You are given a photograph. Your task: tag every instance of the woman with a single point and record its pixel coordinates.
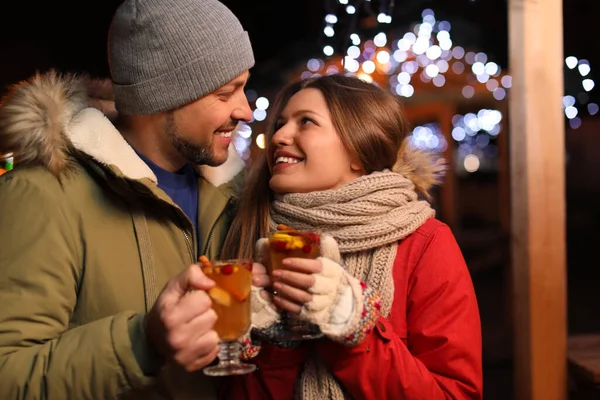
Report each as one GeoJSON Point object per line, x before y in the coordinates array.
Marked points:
{"type": "Point", "coordinates": [396, 302]}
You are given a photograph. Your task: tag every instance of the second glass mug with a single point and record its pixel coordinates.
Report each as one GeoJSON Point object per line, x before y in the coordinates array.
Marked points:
{"type": "Point", "coordinates": [285, 243]}
{"type": "Point", "coordinates": [231, 301]}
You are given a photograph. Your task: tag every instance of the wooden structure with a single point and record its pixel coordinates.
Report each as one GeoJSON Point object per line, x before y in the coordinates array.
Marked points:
{"type": "Point", "coordinates": [537, 173]}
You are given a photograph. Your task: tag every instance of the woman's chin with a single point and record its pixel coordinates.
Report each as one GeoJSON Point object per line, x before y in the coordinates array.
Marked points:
{"type": "Point", "coordinates": [281, 185]}
{"type": "Point", "coordinates": [280, 188]}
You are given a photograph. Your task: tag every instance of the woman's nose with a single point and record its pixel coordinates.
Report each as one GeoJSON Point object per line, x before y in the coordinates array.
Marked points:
{"type": "Point", "coordinates": [282, 136]}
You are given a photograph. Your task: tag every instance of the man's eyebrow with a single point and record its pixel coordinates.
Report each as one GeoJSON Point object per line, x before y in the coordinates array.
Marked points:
{"type": "Point", "coordinates": [245, 82]}
{"type": "Point", "coordinates": [237, 84]}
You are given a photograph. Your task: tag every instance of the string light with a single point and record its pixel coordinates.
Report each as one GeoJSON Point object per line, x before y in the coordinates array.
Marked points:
{"type": "Point", "coordinates": [425, 53]}
{"type": "Point", "coordinates": [409, 61]}
{"type": "Point", "coordinates": [576, 102]}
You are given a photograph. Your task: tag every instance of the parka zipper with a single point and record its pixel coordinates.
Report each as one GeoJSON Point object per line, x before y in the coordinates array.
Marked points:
{"type": "Point", "coordinates": [190, 247]}
{"type": "Point", "coordinates": [212, 229]}
{"type": "Point", "coordinates": [188, 237]}
{"type": "Point", "coordinates": [210, 233]}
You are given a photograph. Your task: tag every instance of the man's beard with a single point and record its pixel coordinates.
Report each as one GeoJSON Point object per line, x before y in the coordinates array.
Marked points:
{"type": "Point", "coordinates": [192, 152]}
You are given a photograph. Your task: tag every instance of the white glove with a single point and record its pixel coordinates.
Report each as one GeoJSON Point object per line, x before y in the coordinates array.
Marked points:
{"type": "Point", "coordinates": [337, 297]}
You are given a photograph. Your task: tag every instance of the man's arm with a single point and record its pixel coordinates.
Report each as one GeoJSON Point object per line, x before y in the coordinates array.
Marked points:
{"type": "Point", "coordinates": [40, 265]}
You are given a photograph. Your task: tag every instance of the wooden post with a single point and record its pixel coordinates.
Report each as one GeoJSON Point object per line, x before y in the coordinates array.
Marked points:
{"type": "Point", "coordinates": [538, 198]}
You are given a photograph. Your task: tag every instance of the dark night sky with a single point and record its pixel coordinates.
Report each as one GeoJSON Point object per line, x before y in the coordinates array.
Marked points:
{"type": "Point", "coordinates": [45, 35]}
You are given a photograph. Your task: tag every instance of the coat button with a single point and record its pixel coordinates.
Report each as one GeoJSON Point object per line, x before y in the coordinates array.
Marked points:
{"type": "Point", "coordinates": [381, 326]}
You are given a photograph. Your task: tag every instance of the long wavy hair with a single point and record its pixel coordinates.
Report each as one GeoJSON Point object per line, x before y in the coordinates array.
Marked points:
{"type": "Point", "coordinates": [371, 126]}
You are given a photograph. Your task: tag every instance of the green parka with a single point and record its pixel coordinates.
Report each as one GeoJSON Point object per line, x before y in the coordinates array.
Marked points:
{"type": "Point", "coordinates": [88, 241]}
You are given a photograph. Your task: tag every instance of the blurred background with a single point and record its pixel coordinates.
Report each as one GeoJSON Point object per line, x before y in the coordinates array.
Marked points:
{"type": "Point", "coordinates": [448, 60]}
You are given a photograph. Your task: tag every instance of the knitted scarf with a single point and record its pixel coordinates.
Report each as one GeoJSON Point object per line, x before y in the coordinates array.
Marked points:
{"type": "Point", "coordinates": [367, 217]}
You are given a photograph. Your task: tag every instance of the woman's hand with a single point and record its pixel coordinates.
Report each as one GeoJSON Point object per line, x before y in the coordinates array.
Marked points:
{"type": "Point", "coordinates": [259, 276]}
{"type": "Point", "coordinates": [263, 312]}
{"type": "Point", "coordinates": [293, 282]}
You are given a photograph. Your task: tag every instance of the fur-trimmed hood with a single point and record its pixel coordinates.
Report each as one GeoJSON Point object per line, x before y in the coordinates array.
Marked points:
{"type": "Point", "coordinates": [44, 118]}
{"type": "Point", "coordinates": [424, 168]}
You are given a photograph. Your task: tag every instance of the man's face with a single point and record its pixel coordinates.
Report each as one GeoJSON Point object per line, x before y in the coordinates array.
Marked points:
{"type": "Point", "coordinates": [201, 131]}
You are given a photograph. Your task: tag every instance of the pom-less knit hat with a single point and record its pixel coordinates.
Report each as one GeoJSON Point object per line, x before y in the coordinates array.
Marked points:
{"type": "Point", "coordinates": [163, 54]}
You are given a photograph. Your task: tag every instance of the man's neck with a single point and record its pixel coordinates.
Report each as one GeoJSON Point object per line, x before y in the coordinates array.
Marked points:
{"type": "Point", "coordinates": [144, 134]}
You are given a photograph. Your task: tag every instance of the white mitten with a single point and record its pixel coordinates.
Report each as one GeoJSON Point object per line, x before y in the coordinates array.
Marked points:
{"type": "Point", "coordinates": [342, 306]}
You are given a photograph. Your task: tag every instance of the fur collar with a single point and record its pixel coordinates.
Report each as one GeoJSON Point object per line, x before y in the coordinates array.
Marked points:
{"type": "Point", "coordinates": [46, 116]}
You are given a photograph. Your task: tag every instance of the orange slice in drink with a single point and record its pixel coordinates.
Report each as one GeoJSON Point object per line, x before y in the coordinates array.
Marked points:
{"type": "Point", "coordinates": [220, 296]}
{"type": "Point", "coordinates": [239, 284]}
{"type": "Point", "coordinates": [241, 293]}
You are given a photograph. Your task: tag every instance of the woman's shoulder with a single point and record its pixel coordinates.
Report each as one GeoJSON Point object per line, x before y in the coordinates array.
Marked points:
{"type": "Point", "coordinates": [434, 238]}
{"type": "Point", "coordinates": [431, 229]}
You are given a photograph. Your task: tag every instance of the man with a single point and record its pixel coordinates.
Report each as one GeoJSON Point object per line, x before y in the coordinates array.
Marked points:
{"type": "Point", "coordinates": [98, 218]}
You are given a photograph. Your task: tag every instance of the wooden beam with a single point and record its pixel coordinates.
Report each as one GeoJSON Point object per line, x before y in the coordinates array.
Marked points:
{"type": "Point", "coordinates": [538, 198]}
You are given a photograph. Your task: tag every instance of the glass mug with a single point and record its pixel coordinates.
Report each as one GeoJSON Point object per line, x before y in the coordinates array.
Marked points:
{"type": "Point", "coordinates": [231, 302]}
{"type": "Point", "coordinates": [285, 243]}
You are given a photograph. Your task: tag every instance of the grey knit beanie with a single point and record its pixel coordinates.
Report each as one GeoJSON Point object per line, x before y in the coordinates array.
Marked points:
{"type": "Point", "coordinates": [163, 54]}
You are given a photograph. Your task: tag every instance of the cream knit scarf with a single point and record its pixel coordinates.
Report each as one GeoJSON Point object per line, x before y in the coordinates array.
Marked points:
{"type": "Point", "coordinates": [367, 217]}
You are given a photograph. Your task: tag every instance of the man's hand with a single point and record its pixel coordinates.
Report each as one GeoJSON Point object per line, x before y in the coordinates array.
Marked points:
{"type": "Point", "coordinates": [180, 325]}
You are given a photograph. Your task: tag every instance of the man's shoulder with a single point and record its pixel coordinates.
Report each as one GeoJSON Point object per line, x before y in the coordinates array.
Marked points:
{"type": "Point", "coordinates": [40, 182]}
{"type": "Point", "coordinates": [29, 178]}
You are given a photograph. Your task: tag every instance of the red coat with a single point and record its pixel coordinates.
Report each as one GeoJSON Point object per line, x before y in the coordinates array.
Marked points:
{"type": "Point", "coordinates": [428, 348]}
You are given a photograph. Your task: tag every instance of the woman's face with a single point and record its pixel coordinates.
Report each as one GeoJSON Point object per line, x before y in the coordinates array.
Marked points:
{"type": "Point", "coordinates": [306, 153]}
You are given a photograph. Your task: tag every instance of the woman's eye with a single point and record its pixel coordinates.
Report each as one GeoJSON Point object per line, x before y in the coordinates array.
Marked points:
{"type": "Point", "coordinates": [306, 120]}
